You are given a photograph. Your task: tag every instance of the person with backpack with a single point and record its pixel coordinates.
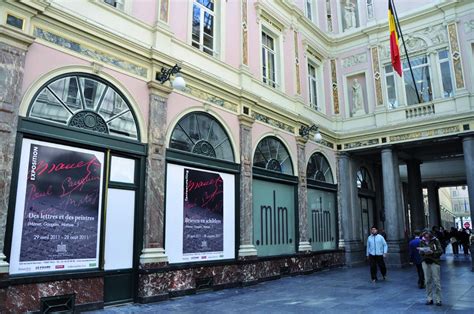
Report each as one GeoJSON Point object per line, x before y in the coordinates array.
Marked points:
{"type": "Point", "coordinates": [430, 250]}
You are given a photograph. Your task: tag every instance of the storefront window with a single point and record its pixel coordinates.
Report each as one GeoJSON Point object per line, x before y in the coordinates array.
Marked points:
{"type": "Point", "coordinates": [272, 155]}
{"type": "Point", "coordinates": [319, 169]}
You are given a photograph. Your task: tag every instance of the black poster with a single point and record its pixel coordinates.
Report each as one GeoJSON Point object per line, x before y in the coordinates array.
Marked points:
{"type": "Point", "coordinates": [61, 205]}
{"type": "Point", "coordinates": [203, 228]}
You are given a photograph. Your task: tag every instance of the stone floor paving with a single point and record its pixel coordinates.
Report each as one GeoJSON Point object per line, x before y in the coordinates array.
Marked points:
{"type": "Point", "coordinates": [342, 290]}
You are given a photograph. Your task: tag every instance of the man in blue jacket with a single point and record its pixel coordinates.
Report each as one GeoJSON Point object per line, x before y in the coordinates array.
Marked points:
{"type": "Point", "coordinates": [415, 258]}
{"type": "Point", "coordinates": [376, 251]}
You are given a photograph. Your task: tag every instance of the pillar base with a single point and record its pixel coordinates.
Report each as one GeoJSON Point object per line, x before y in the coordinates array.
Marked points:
{"type": "Point", "coordinates": [153, 255]}
{"type": "Point", "coordinates": [397, 255]}
{"type": "Point", "coordinates": [4, 266]}
{"type": "Point", "coordinates": [355, 252]}
{"type": "Point", "coordinates": [247, 250]}
{"type": "Point", "coordinates": [304, 246]}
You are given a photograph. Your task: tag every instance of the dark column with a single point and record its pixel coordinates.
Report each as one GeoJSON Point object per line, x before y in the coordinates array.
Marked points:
{"type": "Point", "coordinates": [304, 244]}
{"type": "Point", "coordinates": [13, 48]}
{"type": "Point", "coordinates": [394, 224]}
{"type": "Point", "coordinates": [246, 247]}
{"type": "Point", "coordinates": [468, 149]}
{"type": "Point", "coordinates": [153, 244]}
{"type": "Point", "coordinates": [415, 195]}
{"type": "Point", "coordinates": [433, 205]}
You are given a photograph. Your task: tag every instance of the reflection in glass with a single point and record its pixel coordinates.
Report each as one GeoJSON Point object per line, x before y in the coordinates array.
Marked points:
{"type": "Point", "coordinates": [363, 179]}
{"type": "Point", "coordinates": [272, 155]}
{"type": "Point", "coordinates": [322, 219]}
{"type": "Point", "coordinates": [318, 169]}
{"type": "Point", "coordinates": [421, 72]}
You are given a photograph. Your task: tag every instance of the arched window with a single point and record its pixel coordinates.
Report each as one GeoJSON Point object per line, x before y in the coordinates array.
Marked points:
{"type": "Point", "coordinates": [86, 102]}
{"type": "Point", "coordinates": [200, 133]}
{"type": "Point", "coordinates": [271, 154]}
{"type": "Point", "coordinates": [363, 179]}
{"type": "Point", "coordinates": [318, 169]}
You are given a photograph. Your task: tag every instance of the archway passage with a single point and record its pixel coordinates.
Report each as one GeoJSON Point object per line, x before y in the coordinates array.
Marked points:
{"type": "Point", "coordinates": [87, 102]}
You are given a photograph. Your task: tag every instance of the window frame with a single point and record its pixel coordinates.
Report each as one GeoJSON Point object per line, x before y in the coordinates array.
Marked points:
{"type": "Point", "coordinates": [448, 60]}
{"type": "Point", "coordinates": [407, 70]}
{"type": "Point", "coordinates": [395, 83]}
{"type": "Point", "coordinates": [202, 11]}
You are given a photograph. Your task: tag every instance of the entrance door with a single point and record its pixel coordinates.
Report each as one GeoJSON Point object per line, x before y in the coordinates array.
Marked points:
{"type": "Point", "coordinates": [120, 228]}
{"type": "Point", "coordinates": [367, 211]}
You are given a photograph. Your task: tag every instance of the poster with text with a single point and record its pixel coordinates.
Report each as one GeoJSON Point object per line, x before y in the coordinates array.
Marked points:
{"type": "Point", "coordinates": [57, 215]}
{"type": "Point", "coordinates": [200, 215]}
{"type": "Point", "coordinates": [203, 212]}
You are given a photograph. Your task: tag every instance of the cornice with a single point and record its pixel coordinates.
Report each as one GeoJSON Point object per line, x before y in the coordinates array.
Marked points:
{"type": "Point", "coordinates": [15, 37]}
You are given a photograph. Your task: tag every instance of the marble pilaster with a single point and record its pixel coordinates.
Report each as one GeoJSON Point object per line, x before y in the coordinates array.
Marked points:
{"type": "Point", "coordinates": [415, 195]}
{"type": "Point", "coordinates": [468, 150]}
{"type": "Point", "coordinates": [394, 222]}
{"type": "Point", "coordinates": [153, 243]}
{"type": "Point", "coordinates": [246, 247]}
{"type": "Point", "coordinates": [304, 244]}
{"type": "Point", "coordinates": [13, 49]}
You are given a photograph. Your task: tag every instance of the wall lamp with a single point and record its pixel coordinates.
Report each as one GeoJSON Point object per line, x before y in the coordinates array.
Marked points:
{"type": "Point", "coordinates": [165, 74]}
{"type": "Point", "coordinates": [305, 130]}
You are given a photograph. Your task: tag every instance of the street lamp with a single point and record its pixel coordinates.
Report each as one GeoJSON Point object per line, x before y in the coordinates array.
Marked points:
{"type": "Point", "coordinates": [305, 130]}
{"type": "Point", "coordinates": [165, 74]}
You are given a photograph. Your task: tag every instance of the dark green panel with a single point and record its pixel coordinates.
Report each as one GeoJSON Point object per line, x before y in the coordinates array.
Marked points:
{"type": "Point", "coordinates": [118, 288]}
{"type": "Point", "coordinates": [322, 219]}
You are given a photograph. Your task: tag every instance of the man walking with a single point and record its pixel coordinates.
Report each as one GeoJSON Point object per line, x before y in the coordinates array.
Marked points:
{"type": "Point", "coordinates": [430, 251]}
{"type": "Point", "coordinates": [376, 251]}
{"type": "Point", "coordinates": [415, 258]}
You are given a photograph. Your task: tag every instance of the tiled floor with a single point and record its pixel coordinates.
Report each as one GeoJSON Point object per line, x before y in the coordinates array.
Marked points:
{"type": "Point", "coordinates": [343, 290]}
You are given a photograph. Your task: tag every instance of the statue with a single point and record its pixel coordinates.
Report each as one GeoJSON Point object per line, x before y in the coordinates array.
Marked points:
{"type": "Point", "coordinates": [357, 97]}
{"type": "Point", "coordinates": [349, 14]}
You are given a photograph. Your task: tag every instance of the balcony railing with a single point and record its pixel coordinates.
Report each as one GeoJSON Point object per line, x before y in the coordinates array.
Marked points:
{"type": "Point", "coordinates": [419, 111]}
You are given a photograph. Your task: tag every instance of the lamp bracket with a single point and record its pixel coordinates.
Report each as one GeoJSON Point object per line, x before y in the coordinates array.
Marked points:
{"type": "Point", "coordinates": [165, 73]}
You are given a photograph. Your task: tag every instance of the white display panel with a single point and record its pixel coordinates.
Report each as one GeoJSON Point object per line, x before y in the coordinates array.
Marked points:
{"type": "Point", "coordinates": [200, 215]}
{"type": "Point", "coordinates": [122, 170]}
{"type": "Point", "coordinates": [58, 208]}
{"type": "Point", "coordinates": [119, 224]}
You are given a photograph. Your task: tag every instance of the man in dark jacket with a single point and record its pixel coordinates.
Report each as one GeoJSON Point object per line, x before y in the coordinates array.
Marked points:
{"type": "Point", "coordinates": [431, 251]}
{"type": "Point", "coordinates": [415, 258]}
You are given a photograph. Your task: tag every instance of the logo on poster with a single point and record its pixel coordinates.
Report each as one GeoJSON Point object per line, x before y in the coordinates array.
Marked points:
{"type": "Point", "coordinates": [34, 162]}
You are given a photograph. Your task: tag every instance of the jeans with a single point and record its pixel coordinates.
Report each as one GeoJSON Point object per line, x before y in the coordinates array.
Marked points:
{"type": "Point", "coordinates": [421, 275]}
{"type": "Point", "coordinates": [432, 280]}
{"type": "Point", "coordinates": [375, 260]}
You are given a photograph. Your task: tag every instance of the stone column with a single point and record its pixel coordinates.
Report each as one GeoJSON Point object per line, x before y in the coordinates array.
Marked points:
{"type": "Point", "coordinates": [433, 205]}
{"type": "Point", "coordinates": [246, 247]}
{"type": "Point", "coordinates": [304, 244]}
{"type": "Point", "coordinates": [468, 149]}
{"type": "Point", "coordinates": [394, 224]}
{"type": "Point", "coordinates": [13, 48]}
{"type": "Point", "coordinates": [153, 244]}
{"type": "Point", "coordinates": [415, 195]}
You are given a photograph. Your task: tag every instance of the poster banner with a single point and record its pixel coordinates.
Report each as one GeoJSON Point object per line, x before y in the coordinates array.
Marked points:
{"type": "Point", "coordinates": [200, 215]}
{"type": "Point", "coordinates": [57, 215]}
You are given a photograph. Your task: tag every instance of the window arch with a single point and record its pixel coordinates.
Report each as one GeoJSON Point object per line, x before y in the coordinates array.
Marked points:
{"type": "Point", "coordinates": [87, 102]}
{"type": "Point", "coordinates": [364, 181]}
{"type": "Point", "coordinates": [318, 169]}
{"type": "Point", "coordinates": [271, 154]}
{"type": "Point", "coordinates": [200, 133]}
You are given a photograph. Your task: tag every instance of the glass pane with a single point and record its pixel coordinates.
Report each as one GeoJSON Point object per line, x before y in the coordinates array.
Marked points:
{"type": "Point", "coordinates": [388, 69]}
{"type": "Point", "coordinates": [92, 92]}
{"type": "Point", "coordinates": [423, 83]}
{"type": "Point", "coordinates": [208, 24]}
{"type": "Point", "coordinates": [207, 3]}
{"type": "Point", "coordinates": [123, 126]}
{"type": "Point", "coordinates": [391, 92]}
{"type": "Point", "coordinates": [68, 91]}
{"type": "Point", "coordinates": [443, 54]}
{"type": "Point", "coordinates": [122, 170]}
{"type": "Point", "coordinates": [446, 79]}
{"type": "Point", "coordinates": [196, 25]}
{"type": "Point", "coordinates": [271, 154]}
{"type": "Point", "coordinates": [208, 42]}
{"type": "Point", "coordinates": [322, 219]}
{"type": "Point", "coordinates": [112, 104]}
{"type": "Point", "coordinates": [46, 106]}
{"type": "Point", "coordinates": [271, 68]}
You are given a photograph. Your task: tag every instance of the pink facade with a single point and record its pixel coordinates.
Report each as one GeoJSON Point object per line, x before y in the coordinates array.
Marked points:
{"type": "Point", "coordinates": [145, 10]}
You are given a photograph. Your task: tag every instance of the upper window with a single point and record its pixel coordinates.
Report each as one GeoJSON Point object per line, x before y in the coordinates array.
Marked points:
{"type": "Point", "coordinates": [390, 83]}
{"type": "Point", "coordinates": [119, 4]}
{"type": "Point", "coordinates": [445, 73]}
{"type": "Point", "coordinates": [269, 61]}
{"type": "Point", "coordinates": [328, 16]}
{"type": "Point", "coordinates": [421, 71]}
{"type": "Point", "coordinates": [312, 86]}
{"type": "Point", "coordinates": [86, 102]}
{"type": "Point", "coordinates": [203, 32]}
{"type": "Point", "coordinates": [200, 133]}
{"type": "Point", "coordinates": [370, 9]}
{"type": "Point", "coordinates": [309, 10]}
{"type": "Point", "coordinates": [318, 169]}
{"type": "Point", "coordinates": [363, 179]}
{"type": "Point", "coordinates": [272, 155]}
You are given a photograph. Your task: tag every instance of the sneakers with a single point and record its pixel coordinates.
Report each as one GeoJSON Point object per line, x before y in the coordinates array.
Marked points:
{"type": "Point", "coordinates": [430, 302]}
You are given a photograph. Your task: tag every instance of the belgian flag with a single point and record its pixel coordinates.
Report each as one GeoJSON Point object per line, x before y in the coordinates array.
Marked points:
{"type": "Point", "coordinates": [394, 48]}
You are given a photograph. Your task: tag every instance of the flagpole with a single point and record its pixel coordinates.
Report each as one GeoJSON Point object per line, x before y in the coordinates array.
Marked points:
{"type": "Point", "coordinates": [397, 23]}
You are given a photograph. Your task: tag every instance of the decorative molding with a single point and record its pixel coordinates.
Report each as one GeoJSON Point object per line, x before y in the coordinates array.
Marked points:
{"type": "Point", "coordinates": [354, 60]}
{"type": "Point", "coordinates": [275, 123]}
{"type": "Point", "coordinates": [90, 53]}
{"type": "Point", "coordinates": [326, 143]}
{"type": "Point", "coordinates": [469, 26]}
{"type": "Point", "coordinates": [335, 96]}
{"type": "Point", "coordinates": [377, 76]}
{"type": "Point", "coordinates": [164, 8]}
{"type": "Point", "coordinates": [153, 255]}
{"type": "Point", "coordinates": [358, 144]}
{"type": "Point", "coordinates": [297, 63]}
{"type": "Point", "coordinates": [419, 111]}
{"type": "Point", "coordinates": [456, 55]}
{"type": "Point", "coordinates": [425, 134]}
{"type": "Point", "coordinates": [198, 93]}
{"type": "Point", "coordinates": [245, 49]}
